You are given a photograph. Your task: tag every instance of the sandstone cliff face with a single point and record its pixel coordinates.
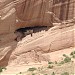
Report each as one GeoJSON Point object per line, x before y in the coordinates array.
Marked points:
{"type": "Point", "coordinates": [7, 16]}
{"type": "Point", "coordinates": [16, 14]}
{"type": "Point", "coordinates": [30, 49]}
{"type": "Point", "coordinates": [33, 49]}
{"type": "Point", "coordinates": [33, 13]}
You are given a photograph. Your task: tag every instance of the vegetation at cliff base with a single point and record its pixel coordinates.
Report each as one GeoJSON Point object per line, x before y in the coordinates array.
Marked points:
{"type": "Point", "coordinates": [2, 68]}
{"type": "Point", "coordinates": [32, 69]}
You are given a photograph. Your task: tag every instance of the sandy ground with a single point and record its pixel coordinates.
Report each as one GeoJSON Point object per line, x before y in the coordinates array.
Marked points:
{"type": "Point", "coordinates": [54, 56]}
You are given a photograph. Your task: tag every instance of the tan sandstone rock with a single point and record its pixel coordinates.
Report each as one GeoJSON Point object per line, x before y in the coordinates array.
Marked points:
{"type": "Point", "coordinates": [30, 49]}
{"type": "Point", "coordinates": [7, 16]}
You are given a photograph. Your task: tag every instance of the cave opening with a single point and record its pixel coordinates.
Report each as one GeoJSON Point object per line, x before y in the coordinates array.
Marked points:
{"type": "Point", "coordinates": [23, 32]}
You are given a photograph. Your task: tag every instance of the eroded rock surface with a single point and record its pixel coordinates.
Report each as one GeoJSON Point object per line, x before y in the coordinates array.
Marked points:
{"type": "Point", "coordinates": [33, 48]}
{"type": "Point", "coordinates": [30, 48]}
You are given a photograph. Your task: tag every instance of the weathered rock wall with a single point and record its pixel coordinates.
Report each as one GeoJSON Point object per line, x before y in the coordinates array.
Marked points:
{"type": "Point", "coordinates": [7, 16]}
{"type": "Point", "coordinates": [33, 13]}
{"type": "Point", "coordinates": [31, 49]}
{"type": "Point", "coordinates": [52, 40]}
{"type": "Point", "coordinates": [16, 14]}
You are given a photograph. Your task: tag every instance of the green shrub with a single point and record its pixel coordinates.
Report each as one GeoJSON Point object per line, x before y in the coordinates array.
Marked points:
{"type": "Point", "coordinates": [50, 62]}
{"type": "Point", "coordinates": [56, 62]}
{"type": "Point", "coordinates": [67, 59]}
{"type": "Point", "coordinates": [65, 55]}
{"type": "Point", "coordinates": [32, 69]}
{"type": "Point", "coordinates": [62, 62]}
{"type": "Point", "coordinates": [33, 74]}
{"type": "Point", "coordinates": [72, 53]}
{"type": "Point", "coordinates": [1, 69]}
{"type": "Point", "coordinates": [50, 66]}
{"type": "Point", "coordinates": [53, 73]}
{"type": "Point", "coordinates": [20, 73]}
{"type": "Point", "coordinates": [73, 56]}
{"type": "Point", "coordinates": [45, 74]}
{"type": "Point", "coordinates": [65, 73]}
